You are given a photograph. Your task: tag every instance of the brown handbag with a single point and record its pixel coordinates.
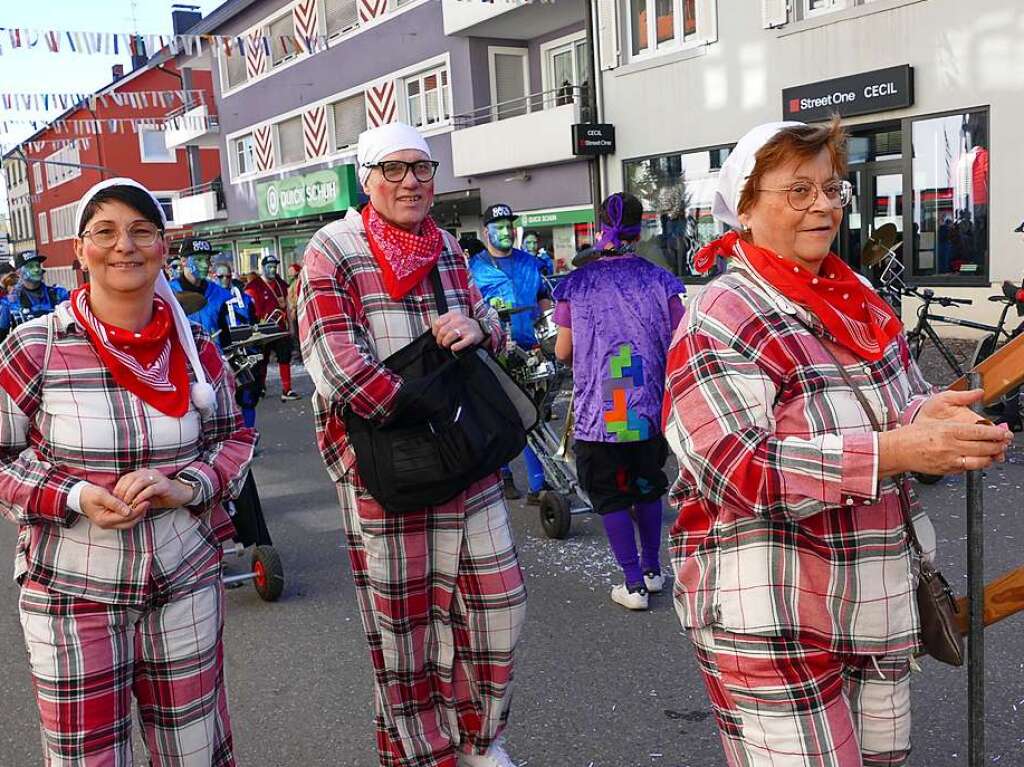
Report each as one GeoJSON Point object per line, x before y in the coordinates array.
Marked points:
{"type": "Point", "coordinates": [936, 603]}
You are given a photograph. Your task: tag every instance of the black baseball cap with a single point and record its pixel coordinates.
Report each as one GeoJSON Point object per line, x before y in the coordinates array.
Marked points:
{"type": "Point", "coordinates": [191, 246]}
{"type": "Point", "coordinates": [498, 212]}
{"type": "Point", "coordinates": [270, 258]}
{"type": "Point", "coordinates": [20, 259]}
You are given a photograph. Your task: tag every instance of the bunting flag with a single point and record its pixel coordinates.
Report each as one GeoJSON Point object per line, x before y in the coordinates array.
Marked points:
{"type": "Point", "coordinates": [44, 101]}
{"type": "Point", "coordinates": [47, 145]}
{"type": "Point", "coordinates": [112, 125]}
{"type": "Point", "coordinates": [13, 39]}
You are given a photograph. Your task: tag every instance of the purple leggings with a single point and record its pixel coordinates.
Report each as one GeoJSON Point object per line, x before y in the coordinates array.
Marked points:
{"type": "Point", "coordinates": [618, 525]}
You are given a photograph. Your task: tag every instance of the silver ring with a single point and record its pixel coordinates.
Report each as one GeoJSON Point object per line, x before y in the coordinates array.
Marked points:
{"type": "Point", "coordinates": [458, 333]}
{"type": "Point", "coordinates": [152, 478]}
{"type": "Point", "coordinates": [963, 462]}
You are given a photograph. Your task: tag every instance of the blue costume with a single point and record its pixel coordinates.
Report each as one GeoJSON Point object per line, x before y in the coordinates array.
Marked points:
{"type": "Point", "coordinates": [215, 296]}
{"type": "Point", "coordinates": [239, 311]}
{"type": "Point", "coordinates": [23, 304]}
{"type": "Point", "coordinates": [514, 281]}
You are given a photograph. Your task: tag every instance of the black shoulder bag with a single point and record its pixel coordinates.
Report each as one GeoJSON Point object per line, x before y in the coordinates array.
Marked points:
{"type": "Point", "coordinates": [940, 635]}
{"type": "Point", "coordinates": [458, 418]}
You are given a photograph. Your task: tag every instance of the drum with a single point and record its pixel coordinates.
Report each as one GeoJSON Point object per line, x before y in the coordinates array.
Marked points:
{"type": "Point", "coordinates": [547, 332]}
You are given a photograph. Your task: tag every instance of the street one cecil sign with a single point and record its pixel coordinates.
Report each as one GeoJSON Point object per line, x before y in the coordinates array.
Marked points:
{"type": "Point", "coordinates": [593, 139]}
{"type": "Point", "coordinates": [322, 191]}
{"type": "Point", "coordinates": [859, 94]}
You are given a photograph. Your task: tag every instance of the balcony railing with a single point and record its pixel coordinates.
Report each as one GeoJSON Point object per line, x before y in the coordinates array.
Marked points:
{"type": "Point", "coordinates": [192, 125]}
{"type": "Point", "coordinates": [196, 204]}
{"type": "Point", "coordinates": [534, 102]}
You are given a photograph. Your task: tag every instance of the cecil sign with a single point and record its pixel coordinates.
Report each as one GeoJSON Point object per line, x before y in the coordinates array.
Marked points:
{"type": "Point", "coordinates": [593, 139]}
{"type": "Point", "coordinates": [860, 94]}
{"type": "Point", "coordinates": [323, 191]}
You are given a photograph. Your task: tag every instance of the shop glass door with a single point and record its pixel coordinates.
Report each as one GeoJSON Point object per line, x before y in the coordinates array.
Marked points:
{"type": "Point", "coordinates": [877, 200]}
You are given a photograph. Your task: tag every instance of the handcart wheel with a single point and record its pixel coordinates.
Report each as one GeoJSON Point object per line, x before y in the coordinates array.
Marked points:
{"type": "Point", "coordinates": [268, 571]}
{"type": "Point", "coordinates": [927, 479]}
{"type": "Point", "coordinates": [555, 516]}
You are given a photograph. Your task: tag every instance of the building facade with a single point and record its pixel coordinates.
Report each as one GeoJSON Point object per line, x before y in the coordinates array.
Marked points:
{"type": "Point", "coordinates": [928, 105]}
{"type": "Point", "coordinates": [19, 204]}
{"type": "Point", "coordinates": [494, 93]}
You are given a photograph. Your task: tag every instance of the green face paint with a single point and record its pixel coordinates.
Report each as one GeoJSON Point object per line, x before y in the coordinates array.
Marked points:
{"type": "Point", "coordinates": [530, 244]}
{"type": "Point", "coordinates": [32, 271]}
{"type": "Point", "coordinates": [199, 265]}
{"type": "Point", "coordinates": [501, 234]}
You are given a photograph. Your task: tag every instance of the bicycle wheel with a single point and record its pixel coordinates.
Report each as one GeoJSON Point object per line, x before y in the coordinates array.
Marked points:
{"type": "Point", "coordinates": [915, 340]}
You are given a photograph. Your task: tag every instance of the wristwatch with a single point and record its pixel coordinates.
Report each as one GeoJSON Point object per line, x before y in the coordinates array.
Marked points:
{"type": "Point", "coordinates": [197, 488]}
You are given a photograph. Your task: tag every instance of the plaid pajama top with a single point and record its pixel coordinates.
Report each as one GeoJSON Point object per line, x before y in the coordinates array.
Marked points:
{"type": "Point", "coordinates": [783, 527]}
{"type": "Point", "coordinates": [63, 419]}
{"type": "Point", "coordinates": [348, 323]}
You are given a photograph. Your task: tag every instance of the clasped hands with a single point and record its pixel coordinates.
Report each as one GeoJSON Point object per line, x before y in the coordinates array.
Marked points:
{"type": "Point", "coordinates": [455, 331]}
{"type": "Point", "coordinates": [134, 494]}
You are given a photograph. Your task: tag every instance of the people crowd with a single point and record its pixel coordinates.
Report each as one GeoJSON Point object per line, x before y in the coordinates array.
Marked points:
{"type": "Point", "coordinates": [785, 390]}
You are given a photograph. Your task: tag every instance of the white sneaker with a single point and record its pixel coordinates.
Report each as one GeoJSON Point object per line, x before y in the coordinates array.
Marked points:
{"type": "Point", "coordinates": [654, 583]}
{"type": "Point", "coordinates": [496, 756]}
{"type": "Point", "coordinates": [631, 600]}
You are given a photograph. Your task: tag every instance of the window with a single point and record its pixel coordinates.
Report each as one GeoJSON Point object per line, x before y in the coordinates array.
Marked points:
{"type": "Point", "coordinates": [42, 229]}
{"type": "Point", "coordinates": [428, 98]}
{"type": "Point", "coordinates": [153, 146]}
{"type": "Point", "coordinates": [245, 159]}
{"type": "Point", "coordinates": [566, 71]}
{"type": "Point", "coordinates": [63, 221]}
{"type": "Point", "coordinates": [340, 16]}
{"type": "Point", "coordinates": [289, 141]}
{"type": "Point", "coordinates": [37, 177]}
{"type": "Point", "coordinates": [234, 68]}
{"type": "Point", "coordinates": [349, 120]}
{"type": "Point", "coordinates": [809, 9]}
{"type": "Point", "coordinates": [510, 80]}
{"type": "Point", "coordinates": [58, 174]}
{"type": "Point", "coordinates": [167, 205]}
{"type": "Point", "coordinates": [665, 22]}
{"type": "Point", "coordinates": [951, 195]}
{"type": "Point", "coordinates": [283, 45]}
{"type": "Point", "coordinates": [676, 191]}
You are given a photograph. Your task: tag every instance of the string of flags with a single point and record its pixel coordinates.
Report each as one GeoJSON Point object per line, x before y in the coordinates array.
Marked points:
{"type": "Point", "coordinates": [118, 43]}
{"type": "Point", "coordinates": [48, 144]}
{"type": "Point", "coordinates": [110, 125]}
{"type": "Point", "coordinates": [36, 102]}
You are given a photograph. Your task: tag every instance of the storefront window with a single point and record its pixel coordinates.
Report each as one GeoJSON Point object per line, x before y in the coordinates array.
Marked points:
{"type": "Point", "coordinates": [293, 249]}
{"type": "Point", "coordinates": [676, 191]}
{"type": "Point", "coordinates": [951, 191]}
{"type": "Point", "coordinates": [250, 253]}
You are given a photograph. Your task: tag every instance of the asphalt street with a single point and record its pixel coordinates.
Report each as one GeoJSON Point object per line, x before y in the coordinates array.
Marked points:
{"type": "Point", "coordinates": [596, 686]}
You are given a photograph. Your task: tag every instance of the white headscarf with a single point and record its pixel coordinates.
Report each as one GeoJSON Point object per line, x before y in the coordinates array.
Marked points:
{"type": "Point", "coordinates": [737, 169]}
{"type": "Point", "coordinates": [202, 394]}
{"type": "Point", "coordinates": [377, 143]}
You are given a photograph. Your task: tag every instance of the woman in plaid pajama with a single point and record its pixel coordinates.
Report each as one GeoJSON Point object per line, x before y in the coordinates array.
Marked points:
{"type": "Point", "coordinates": [440, 590]}
{"type": "Point", "coordinates": [119, 439]}
{"type": "Point", "coordinates": [794, 574]}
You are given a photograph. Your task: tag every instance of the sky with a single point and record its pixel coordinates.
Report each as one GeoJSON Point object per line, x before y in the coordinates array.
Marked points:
{"type": "Point", "coordinates": [23, 71]}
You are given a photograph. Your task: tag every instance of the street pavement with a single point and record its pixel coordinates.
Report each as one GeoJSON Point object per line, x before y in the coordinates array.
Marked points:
{"type": "Point", "coordinates": [596, 686]}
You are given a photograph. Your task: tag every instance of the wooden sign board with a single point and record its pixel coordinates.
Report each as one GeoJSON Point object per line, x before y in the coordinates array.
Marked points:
{"type": "Point", "coordinates": [1000, 373]}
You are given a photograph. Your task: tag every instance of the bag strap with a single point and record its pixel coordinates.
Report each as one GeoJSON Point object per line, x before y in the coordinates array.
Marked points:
{"type": "Point", "coordinates": [863, 400]}
{"type": "Point", "coordinates": [439, 297]}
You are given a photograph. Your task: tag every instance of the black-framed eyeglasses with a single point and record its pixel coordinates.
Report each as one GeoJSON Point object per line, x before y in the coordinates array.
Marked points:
{"type": "Point", "coordinates": [801, 195]}
{"type": "Point", "coordinates": [142, 233]}
{"type": "Point", "coordinates": [395, 171]}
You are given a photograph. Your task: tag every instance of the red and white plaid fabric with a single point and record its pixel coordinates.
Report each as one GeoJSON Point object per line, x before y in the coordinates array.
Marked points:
{"type": "Point", "coordinates": [348, 323]}
{"type": "Point", "coordinates": [783, 527]}
{"type": "Point", "coordinates": [67, 421]}
{"type": "Point", "coordinates": [90, 659]}
{"type": "Point", "coordinates": [440, 591]}
{"type": "Point", "coordinates": [778, 703]}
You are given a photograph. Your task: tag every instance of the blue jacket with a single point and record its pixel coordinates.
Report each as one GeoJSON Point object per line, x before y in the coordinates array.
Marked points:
{"type": "Point", "coordinates": [21, 302]}
{"type": "Point", "coordinates": [208, 316]}
{"type": "Point", "coordinates": [521, 289]}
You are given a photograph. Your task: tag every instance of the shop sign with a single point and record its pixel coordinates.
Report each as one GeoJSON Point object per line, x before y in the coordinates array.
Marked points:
{"type": "Point", "coordinates": [860, 94]}
{"type": "Point", "coordinates": [322, 191]}
{"type": "Point", "coordinates": [556, 218]}
{"type": "Point", "coordinates": [593, 139]}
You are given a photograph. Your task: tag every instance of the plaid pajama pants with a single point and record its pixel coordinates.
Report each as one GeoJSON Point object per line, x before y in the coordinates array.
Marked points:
{"type": "Point", "coordinates": [779, 703]}
{"type": "Point", "coordinates": [442, 601]}
{"type": "Point", "coordinates": [89, 658]}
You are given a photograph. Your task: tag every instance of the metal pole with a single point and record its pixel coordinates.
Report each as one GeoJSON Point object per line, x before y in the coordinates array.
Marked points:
{"type": "Point", "coordinates": [976, 611]}
{"type": "Point", "coordinates": [590, 104]}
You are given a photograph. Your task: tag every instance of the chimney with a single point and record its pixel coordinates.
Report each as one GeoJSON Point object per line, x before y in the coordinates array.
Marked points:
{"type": "Point", "coordinates": [184, 17]}
{"type": "Point", "coordinates": [117, 71]}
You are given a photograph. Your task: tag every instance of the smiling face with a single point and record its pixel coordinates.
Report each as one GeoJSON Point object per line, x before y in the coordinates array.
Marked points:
{"type": "Point", "coordinates": [125, 267]}
{"type": "Point", "coordinates": [403, 203]}
{"type": "Point", "coordinates": [801, 236]}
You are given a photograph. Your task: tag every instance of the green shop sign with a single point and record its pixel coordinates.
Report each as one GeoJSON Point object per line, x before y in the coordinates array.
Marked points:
{"type": "Point", "coordinates": [557, 217]}
{"type": "Point", "coordinates": [323, 191]}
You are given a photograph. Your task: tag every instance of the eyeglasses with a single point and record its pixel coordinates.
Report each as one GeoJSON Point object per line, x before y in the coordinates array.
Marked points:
{"type": "Point", "coordinates": [803, 194]}
{"type": "Point", "coordinates": [141, 233]}
{"type": "Point", "coordinates": [395, 171]}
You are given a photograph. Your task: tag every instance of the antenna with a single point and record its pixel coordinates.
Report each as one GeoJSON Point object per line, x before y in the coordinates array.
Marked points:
{"type": "Point", "coordinates": [134, 5]}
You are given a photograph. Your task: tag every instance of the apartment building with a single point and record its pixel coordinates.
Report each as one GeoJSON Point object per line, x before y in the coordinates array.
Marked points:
{"type": "Point", "coordinates": [929, 91]}
{"type": "Point", "coordinates": [19, 204]}
{"type": "Point", "coordinates": [494, 88]}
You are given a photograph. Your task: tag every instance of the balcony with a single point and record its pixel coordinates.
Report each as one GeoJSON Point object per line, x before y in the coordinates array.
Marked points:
{"type": "Point", "coordinates": [192, 125]}
{"type": "Point", "coordinates": [198, 204]}
{"type": "Point", "coordinates": [510, 19]}
{"type": "Point", "coordinates": [521, 133]}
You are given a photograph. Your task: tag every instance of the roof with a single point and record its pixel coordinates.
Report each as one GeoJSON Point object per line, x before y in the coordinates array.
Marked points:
{"type": "Point", "coordinates": [220, 15]}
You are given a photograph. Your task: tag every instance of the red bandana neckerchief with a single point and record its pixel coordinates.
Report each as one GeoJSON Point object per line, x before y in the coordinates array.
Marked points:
{"type": "Point", "coordinates": [852, 313]}
{"type": "Point", "coordinates": [150, 364]}
{"type": "Point", "coordinates": [404, 258]}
